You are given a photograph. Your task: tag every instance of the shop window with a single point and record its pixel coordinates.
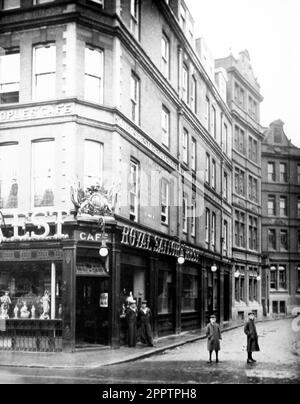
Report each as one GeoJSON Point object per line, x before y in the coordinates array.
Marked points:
{"type": "Point", "coordinates": [44, 72]}
{"type": "Point", "coordinates": [10, 77]}
{"type": "Point", "coordinates": [43, 163]}
{"type": "Point", "coordinates": [9, 184]}
{"type": "Point", "coordinates": [165, 292]}
{"type": "Point", "coordinates": [93, 163]}
{"type": "Point", "coordinates": [34, 290]}
{"type": "Point", "coordinates": [133, 283]}
{"type": "Point", "coordinates": [11, 4]}
{"type": "Point", "coordinates": [94, 66]}
{"type": "Point", "coordinates": [190, 292]}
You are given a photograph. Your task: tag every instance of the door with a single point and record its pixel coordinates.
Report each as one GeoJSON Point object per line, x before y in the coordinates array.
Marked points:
{"type": "Point", "coordinates": [92, 310]}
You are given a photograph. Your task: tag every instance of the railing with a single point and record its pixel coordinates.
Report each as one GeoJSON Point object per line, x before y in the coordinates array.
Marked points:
{"type": "Point", "coordinates": [31, 335]}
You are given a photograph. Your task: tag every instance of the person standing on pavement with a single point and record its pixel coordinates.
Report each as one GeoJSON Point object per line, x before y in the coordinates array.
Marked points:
{"type": "Point", "coordinates": [252, 337]}
{"type": "Point", "coordinates": [144, 321]}
{"type": "Point", "coordinates": [131, 316]}
{"type": "Point", "coordinates": [213, 333]}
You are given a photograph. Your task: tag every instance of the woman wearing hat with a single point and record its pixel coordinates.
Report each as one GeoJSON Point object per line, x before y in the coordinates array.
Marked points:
{"type": "Point", "coordinates": [213, 333]}
{"type": "Point", "coordinates": [131, 316]}
{"type": "Point", "coordinates": [144, 321]}
{"type": "Point", "coordinates": [252, 338]}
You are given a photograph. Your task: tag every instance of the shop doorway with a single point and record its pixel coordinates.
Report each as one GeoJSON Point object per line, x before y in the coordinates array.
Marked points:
{"type": "Point", "coordinates": [92, 319]}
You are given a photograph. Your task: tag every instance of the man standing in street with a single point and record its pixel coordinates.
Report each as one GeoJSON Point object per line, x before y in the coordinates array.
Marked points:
{"type": "Point", "coordinates": [131, 316]}
{"type": "Point", "coordinates": [213, 333]}
{"type": "Point", "coordinates": [144, 321]}
{"type": "Point", "coordinates": [252, 338]}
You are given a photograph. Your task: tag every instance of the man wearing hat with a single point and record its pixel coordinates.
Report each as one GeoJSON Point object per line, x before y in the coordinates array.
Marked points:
{"type": "Point", "coordinates": [252, 338]}
{"type": "Point", "coordinates": [131, 316]}
{"type": "Point", "coordinates": [144, 321]}
{"type": "Point", "coordinates": [213, 333]}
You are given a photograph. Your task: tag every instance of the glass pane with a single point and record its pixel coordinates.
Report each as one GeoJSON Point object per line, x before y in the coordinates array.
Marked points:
{"type": "Point", "coordinates": [9, 177]}
{"type": "Point", "coordinates": [93, 89]}
{"type": "Point", "coordinates": [93, 163]}
{"type": "Point", "coordinates": [93, 62]}
{"type": "Point", "coordinates": [45, 59]}
{"type": "Point", "coordinates": [10, 68]}
{"type": "Point", "coordinates": [45, 86]}
{"type": "Point", "coordinates": [165, 296]}
{"type": "Point", "coordinates": [10, 4]}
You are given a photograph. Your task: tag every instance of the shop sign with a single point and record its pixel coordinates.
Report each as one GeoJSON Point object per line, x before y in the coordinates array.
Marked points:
{"type": "Point", "coordinates": [31, 255]}
{"type": "Point", "coordinates": [104, 300]}
{"type": "Point", "coordinates": [90, 269]}
{"type": "Point", "coordinates": [146, 241]}
{"type": "Point", "coordinates": [33, 226]}
{"type": "Point", "coordinates": [91, 237]}
{"type": "Point", "coordinates": [36, 112]}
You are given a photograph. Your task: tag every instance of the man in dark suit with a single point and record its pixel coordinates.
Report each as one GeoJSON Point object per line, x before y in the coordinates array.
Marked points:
{"type": "Point", "coordinates": [131, 316]}
{"type": "Point", "coordinates": [252, 338]}
{"type": "Point", "coordinates": [144, 322]}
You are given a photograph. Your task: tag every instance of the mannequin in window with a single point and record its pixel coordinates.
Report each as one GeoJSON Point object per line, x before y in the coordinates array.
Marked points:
{"type": "Point", "coordinates": [45, 300]}
{"type": "Point", "coordinates": [5, 303]}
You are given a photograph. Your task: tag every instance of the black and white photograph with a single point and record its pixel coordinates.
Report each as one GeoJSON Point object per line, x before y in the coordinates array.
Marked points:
{"type": "Point", "coordinates": [149, 195]}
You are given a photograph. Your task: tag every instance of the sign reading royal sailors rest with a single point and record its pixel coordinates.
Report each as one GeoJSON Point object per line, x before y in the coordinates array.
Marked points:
{"type": "Point", "coordinates": [32, 226]}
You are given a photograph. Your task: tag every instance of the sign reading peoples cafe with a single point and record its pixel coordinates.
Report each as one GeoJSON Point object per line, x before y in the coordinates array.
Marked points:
{"type": "Point", "coordinates": [135, 238]}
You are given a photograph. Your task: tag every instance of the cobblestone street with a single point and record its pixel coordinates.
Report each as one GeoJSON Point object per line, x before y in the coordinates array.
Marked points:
{"type": "Point", "coordinates": [278, 362]}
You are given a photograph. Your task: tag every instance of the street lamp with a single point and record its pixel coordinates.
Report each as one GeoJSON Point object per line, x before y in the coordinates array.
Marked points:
{"type": "Point", "coordinates": [181, 259]}
{"type": "Point", "coordinates": [103, 252]}
{"type": "Point", "coordinates": [214, 268]}
{"type": "Point", "coordinates": [237, 274]}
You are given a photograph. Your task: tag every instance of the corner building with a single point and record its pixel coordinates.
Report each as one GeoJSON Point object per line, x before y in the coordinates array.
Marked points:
{"type": "Point", "coordinates": [110, 93]}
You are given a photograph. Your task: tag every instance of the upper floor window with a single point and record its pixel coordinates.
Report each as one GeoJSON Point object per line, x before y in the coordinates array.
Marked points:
{"type": "Point", "coordinates": [185, 146]}
{"type": "Point", "coordinates": [252, 108]}
{"type": "Point", "coordinates": [36, 2]}
{"type": "Point", "coordinates": [226, 237]}
{"type": "Point", "coordinates": [135, 99]}
{"type": "Point", "coordinates": [213, 231]}
{"type": "Point", "coordinates": [9, 184]}
{"type": "Point", "coordinates": [165, 123]}
{"type": "Point", "coordinates": [193, 219]}
{"type": "Point", "coordinates": [283, 172]}
{"type": "Point", "coordinates": [271, 172]}
{"type": "Point", "coordinates": [253, 233]}
{"type": "Point", "coordinates": [194, 155]}
{"type": "Point", "coordinates": [239, 95]}
{"type": "Point", "coordinates": [165, 56]}
{"type": "Point", "coordinates": [213, 122]}
{"type": "Point", "coordinates": [183, 18]}
{"type": "Point", "coordinates": [239, 182]}
{"type": "Point", "coordinates": [43, 165]}
{"type": "Point", "coordinates": [164, 202]}
{"type": "Point", "coordinates": [239, 140]}
{"type": "Point", "coordinates": [284, 244]}
{"type": "Point", "coordinates": [271, 239]}
{"type": "Point", "coordinates": [185, 84]}
{"type": "Point", "coordinates": [253, 189]}
{"type": "Point", "coordinates": [10, 77]}
{"type": "Point", "coordinates": [134, 190]}
{"type": "Point", "coordinates": [207, 113]}
{"type": "Point", "coordinates": [240, 229]}
{"type": "Point", "coordinates": [298, 207]}
{"type": "Point", "coordinates": [283, 206]}
{"type": "Point", "coordinates": [225, 186]}
{"type": "Point", "coordinates": [214, 175]}
{"type": "Point", "coordinates": [271, 206]}
{"type": "Point", "coordinates": [253, 151]}
{"type": "Point", "coordinates": [184, 214]}
{"type": "Point", "coordinates": [94, 75]}
{"type": "Point", "coordinates": [225, 139]}
{"type": "Point", "coordinates": [194, 95]}
{"type": "Point", "coordinates": [11, 4]}
{"type": "Point", "coordinates": [207, 169]}
{"type": "Point", "coordinates": [135, 17]}
{"type": "Point", "coordinates": [44, 72]}
{"type": "Point", "coordinates": [207, 226]}
{"type": "Point", "coordinates": [93, 163]}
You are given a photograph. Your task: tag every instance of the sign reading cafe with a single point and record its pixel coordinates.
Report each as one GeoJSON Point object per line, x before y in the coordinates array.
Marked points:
{"type": "Point", "coordinates": [138, 239]}
{"type": "Point", "coordinates": [32, 226]}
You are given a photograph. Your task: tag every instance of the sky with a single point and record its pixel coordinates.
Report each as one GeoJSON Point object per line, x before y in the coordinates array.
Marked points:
{"type": "Point", "coordinates": [270, 30]}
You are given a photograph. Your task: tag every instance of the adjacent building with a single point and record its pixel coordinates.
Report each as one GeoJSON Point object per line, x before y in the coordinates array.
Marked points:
{"type": "Point", "coordinates": [281, 221]}
{"type": "Point", "coordinates": [107, 111]}
{"type": "Point", "coordinates": [244, 98]}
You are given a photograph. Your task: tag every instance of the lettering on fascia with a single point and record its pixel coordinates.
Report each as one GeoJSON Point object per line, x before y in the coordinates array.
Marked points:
{"type": "Point", "coordinates": [36, 112]}
{"type": "Point", "coordinates": [33, 226]}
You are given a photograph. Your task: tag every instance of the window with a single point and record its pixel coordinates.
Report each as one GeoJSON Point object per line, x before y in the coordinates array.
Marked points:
{"type": "Point", "coordinates": [298, 207]}
{"type": "Point", "coordinates": [182, 18]}
{"type": "Point", "coordinates": [185, 143]}
{"type": "Point", "coordinates": [43, 164]}
{"type": "Point", "coordinates": [194, 95]}
{"type": "Point", "coordinates": [283, 206]}
{"type": "Point", "coordinates": [165, 57]}
{"type": "Point", "coordinates": [193, 219]}
{"type": "Point", "coordinates": [253, 149]}
{"type": "Point", "coordinates": [225, 186]}
{"type": "Point", "coordinates": [184, 214]}
{"type": "Point", "coordinates": [253, 189]}
{"type": "Point", "coordinates": [135, 99]}
{"type": "Point", "coordinates": [239, 178]}
{"type": "Point", "coordinates": [282, 278]}
{"type": "Point", "coordinates": [282, 307]}
{"type": "Point", "coordinates": [164, 202]}
{"type": "Point", "coordinates": [207, 169]}
{"type": "Point", "coordinates": [240, 285]}
{"type": "Point", "coordinates": [240, 229]}
{"type": "Point", "coordinates": [271, 172]}
{"type": "Point", "coordinates": [275, 307]}
{"type": "Point", "coordinates": [298, 174]}
{"type": "Point", "coordinates": [185, 84]}
{"type": "Point", "coordinates": [225, 139]}
{"type": "Point", "coordinates": [10, 4]}
{"type": "Point", "coordinates": [253, 233]}
{"type": "Point", "coordinates": [36, 2]}
{"type": "Point", "coordinates": [272, 239]}
{"type": "Point", "coordinates": [239, 140]}
{"type": "Point", "coordinates": [9, 184]}
{"type": "Point", "coordinates": [165, 292]}
{"type": "Point", "coordinates": [134, 190]}
{"type": "Point", "coordinates": [271, 206]}
{"type": "Point", "coordinates": [207, 113]}
{"type": "Point", "coordinates": [194, 155]}
{"type": "Point", "coordinates": [190, 291]}
{"type": "Point", "coordinates": [93, 79]}
{"type": "Point", "coordinates": [239, 95]}
{"type": "Point", "coordinates": [226, 238]}
{"type": "Point", "coordinates": [273, 278]}
{"type": "Point", "coordinates": [214, 175]}
{"type": "Point", "coordinates": [93, 164]}
{"type": "Point", "coordinates": [252, 108]}
{"type": "Point", "coordinates": [284, 240]}
{"type": "Point", "coordinates": [213, 122]}
{"type": "Point", "coordinates": [283, 172]}
{"type": "Point", "coordinates": [101, 2]}
{"type": "Point", "coordinates": [134, 19]}
{"type": "Point", "coordinates": [9, 77]}
{"type": "Point", "coordinates": [207, 227]}
{"type": "Point", "coordinates": [45, 72]}
{"type": "Point", "coordinates": [213, 231]}
{"type": "Point", "coordinates": [165, 122]}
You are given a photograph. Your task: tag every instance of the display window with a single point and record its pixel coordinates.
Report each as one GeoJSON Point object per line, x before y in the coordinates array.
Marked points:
{"type": "Point", "coordinates": [165, 292]}
{"type": "Point", "coordinates": [190, 290]}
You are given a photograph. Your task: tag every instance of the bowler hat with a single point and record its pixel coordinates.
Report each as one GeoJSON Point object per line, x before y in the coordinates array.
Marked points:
{"type": "Point", "coordinates": [251, 313]}
{"type": "Point", "coordinates": [213, 316]}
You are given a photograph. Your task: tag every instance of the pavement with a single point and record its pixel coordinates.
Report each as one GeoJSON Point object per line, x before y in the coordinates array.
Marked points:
{"type": "Point", "coordinates": [105, 356]}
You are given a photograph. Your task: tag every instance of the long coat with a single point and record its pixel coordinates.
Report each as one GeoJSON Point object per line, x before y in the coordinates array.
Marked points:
{"type": "Point", "coordinates": [252, 337]}
{"type": "Point", "coordinates": [213, 333]}
{"type": "Point", "coordinates": [131, 316]}
{"type": "Point", "coordinates": [144, 322]}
